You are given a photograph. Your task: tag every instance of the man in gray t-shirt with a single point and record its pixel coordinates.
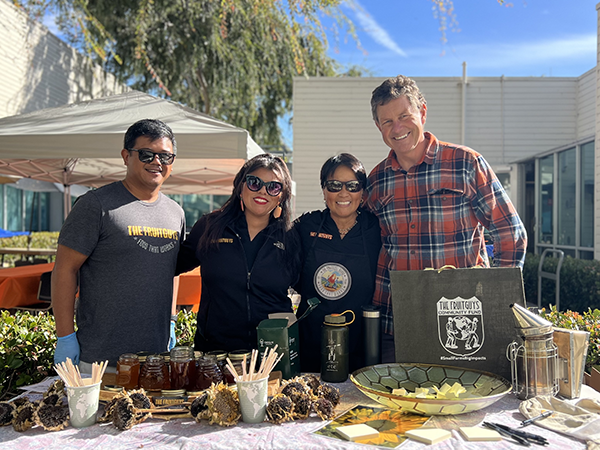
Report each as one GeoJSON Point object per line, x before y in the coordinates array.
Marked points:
{"type": "Point", "coordinates": [122, 241]}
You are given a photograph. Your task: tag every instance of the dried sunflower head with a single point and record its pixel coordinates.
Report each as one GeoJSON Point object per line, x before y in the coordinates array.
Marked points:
{"type": "Point", "coordinates": [7, 412]}
{"type": "Point", "coordinates": [329, 392]}
{"type": "Point", "coordinates": [311, 381]}
{"type": "Point", "coordinates": [199, 408]}
{"type": "Point", "coordinates": [123, 413]}
{"type": "Point", "coordinates": [140, 399]}
{"type": "Point", "coordinates": [224, 405]}
{"type": "Point", "coordinates": [324, 408]}
{"type": "Point", "coordinates": [302, 406]}
{"type": "Point", "coordinates": [280, 409]}
{"type": "Point", "coordinates": [23, 418]}
{"type": "Point", "coordinates": [52, 417]}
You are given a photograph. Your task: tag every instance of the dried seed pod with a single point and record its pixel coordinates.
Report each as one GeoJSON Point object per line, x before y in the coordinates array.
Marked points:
{"type": "Point", "coordinates": [199, 408]}
{"type": "Point", "coordinates": [108, 410]}
{"type": "Point", "coordinates": [324, 408]}
{"type": "Point", "coordinates": [330, 392]}
{"type": "Point", "coordinates": [52, 417]}
{"type": "Point", "coordinates": [302, 406]}
{"type": "Point", "coordinates": [23, 419]}
{"type": "Point", "coordinates": [280, 409]}
{"type": "Point", "coordinates": [7, 413]}
{"type": "Point", "coordinates": [311, 381]}
{"type": "Point", "coordinates": [140, 399]}
{"type": "Point", "coordinates": [123, 414]}
{"type": "Point", "coordinates": [224, 405]}
{"type": "Point", "coordinates": [293, 389]}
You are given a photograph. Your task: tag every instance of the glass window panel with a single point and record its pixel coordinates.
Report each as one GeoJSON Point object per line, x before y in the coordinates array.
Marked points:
{"type": "Point", "coordinates": [219, 200]}
{"type": "Point", "coordinates": [567, 177]}
{"type": "Point", "coordinates": [504, 179]}
{"type": "Point", "coordinates": [568, 252]}
{"type": "Point", "coordinates": [14, 209]}
{"type": "Point", "coordinates": [586, 255]}
{"type": "Point", "coordinates": [587, 195]}
{"type": "Point", "coordinates": [195, 205]}
{"type": "Point", "coordinates": [546, 199]}
{"type": "Point", "coordinates": [44, 211]}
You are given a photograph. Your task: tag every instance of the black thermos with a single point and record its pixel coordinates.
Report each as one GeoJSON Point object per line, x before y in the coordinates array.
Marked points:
{"type": "Point", "coordinates": [371, 335]}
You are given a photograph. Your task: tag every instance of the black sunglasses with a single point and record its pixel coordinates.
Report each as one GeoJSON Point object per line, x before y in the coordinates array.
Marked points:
{"type": "Point", "coordinates": [336, 186]}
{"type": "Point", "coordinates": [255, 184]}
{"type": "Point", "coordinates": [146, 156]}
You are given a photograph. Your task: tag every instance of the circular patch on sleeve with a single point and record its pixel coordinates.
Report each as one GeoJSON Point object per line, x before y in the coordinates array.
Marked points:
{"type": "Point", "coordinates": [332, 281]}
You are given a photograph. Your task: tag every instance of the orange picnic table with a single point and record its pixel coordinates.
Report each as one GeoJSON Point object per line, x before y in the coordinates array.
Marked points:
{"type": "Point", "coordinates": [19, 286]}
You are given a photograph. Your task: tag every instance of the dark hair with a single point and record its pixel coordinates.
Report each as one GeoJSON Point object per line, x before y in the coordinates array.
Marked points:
{"type": "Point", "coordinates": [392, 88]}
{"type": "Point", "coordinates": [343, 159]}
{"type": "Point", "coordinates": [153, 129]}
{"type": "Point", "coordinates": [219, 219]}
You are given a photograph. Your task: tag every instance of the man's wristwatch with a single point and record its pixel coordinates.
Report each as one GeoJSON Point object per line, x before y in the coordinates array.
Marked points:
{"type": "Point", "coordinates": [174, 318]}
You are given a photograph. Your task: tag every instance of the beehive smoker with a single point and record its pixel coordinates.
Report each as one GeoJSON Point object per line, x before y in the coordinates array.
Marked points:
{"type": "Point", "coordinates": [534, 361]}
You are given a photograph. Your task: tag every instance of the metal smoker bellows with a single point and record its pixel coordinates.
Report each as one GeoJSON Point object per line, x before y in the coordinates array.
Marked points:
{"type": "Point", "coordinates": [534, 362]}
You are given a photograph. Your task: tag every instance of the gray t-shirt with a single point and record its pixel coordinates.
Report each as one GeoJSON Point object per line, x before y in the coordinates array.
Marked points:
{"type": "Point", "coordinates": [126, 284]}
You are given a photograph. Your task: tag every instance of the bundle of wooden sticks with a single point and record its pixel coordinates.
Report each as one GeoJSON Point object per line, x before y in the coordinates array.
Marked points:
{"type": "Point", "coordinates": [70, 374]}
{"type": "Point", "coordinates": [269, 361]}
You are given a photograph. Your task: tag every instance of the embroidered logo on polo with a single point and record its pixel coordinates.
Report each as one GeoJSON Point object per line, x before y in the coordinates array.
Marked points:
{"type": "Point", "coordinates": [460, 325]}
{"type": "Point", "coordinates": [332, 281]}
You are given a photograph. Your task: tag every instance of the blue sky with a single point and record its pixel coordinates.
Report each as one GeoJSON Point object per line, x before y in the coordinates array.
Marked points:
{"type": "Point", "coordinates": [529, 38]}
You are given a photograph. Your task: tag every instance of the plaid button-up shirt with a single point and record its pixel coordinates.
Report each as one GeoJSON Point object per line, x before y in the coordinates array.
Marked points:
{"type": "Point", "coordinates": [435, 213]}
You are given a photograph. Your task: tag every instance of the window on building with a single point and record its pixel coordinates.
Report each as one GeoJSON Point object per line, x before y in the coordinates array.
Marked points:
{"type": "Point", "coordinates": [587, 195]}
{"type": "Point", "coordinates": [546, 199]}
{"type": "Point", "coordinates": [567, 182]}
{"type": "Point", "coordinates": [565, 201]}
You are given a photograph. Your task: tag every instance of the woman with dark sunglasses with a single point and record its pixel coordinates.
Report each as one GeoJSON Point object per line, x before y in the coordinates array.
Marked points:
{"type": "Point", "coordinates": [340, 247]}
{"type": "Point", "coordinates": [248, 256]}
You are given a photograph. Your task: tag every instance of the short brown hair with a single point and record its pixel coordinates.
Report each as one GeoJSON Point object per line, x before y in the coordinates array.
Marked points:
{"type": "Point", "coordinates": [393, 88]}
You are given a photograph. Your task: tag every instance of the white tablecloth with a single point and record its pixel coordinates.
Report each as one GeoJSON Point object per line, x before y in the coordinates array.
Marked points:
{"type": "Point", "coordinates": [187, 434]}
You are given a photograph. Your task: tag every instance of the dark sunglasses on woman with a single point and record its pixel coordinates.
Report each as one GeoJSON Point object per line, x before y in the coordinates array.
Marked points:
{"type": "Point", "coordinates": [146, 156]}
{"type": "Point", "coordinates": [255, 184]}
{"type": "Point", "coordinates": [336, 186]}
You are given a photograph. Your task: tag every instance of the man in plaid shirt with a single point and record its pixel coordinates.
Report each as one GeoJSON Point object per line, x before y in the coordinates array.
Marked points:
{"type": "Point", "coordinates": [433, 200]}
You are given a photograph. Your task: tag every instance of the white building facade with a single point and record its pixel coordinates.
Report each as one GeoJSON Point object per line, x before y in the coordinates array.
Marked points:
{"type": "Point", "coordinates": [539, 134]}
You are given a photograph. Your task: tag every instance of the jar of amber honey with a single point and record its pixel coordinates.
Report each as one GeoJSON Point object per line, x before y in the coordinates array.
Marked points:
{"type": "Point", "coordinates": [128, 370]}
{"type": "Point", "coordinates": [183, 368]}
{"type": "Point", "coordinates": [208, 372]}
{"type": "Point", "coordinates": [221, 356]}
{"type": "Point", "coordinates": [154, 374]}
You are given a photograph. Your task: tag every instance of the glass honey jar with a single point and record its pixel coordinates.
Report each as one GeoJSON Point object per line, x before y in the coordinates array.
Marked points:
{"type": "Point", "coordinates": [221, 356]}
{"type": "Point", "coordinates": [207, 372]}
{"type": "Point", "coordinates": [128, 370]}
{"type": "Point", "coordinates": [154, 374]}
{"type": "Point", "coordinates": [183, 368]}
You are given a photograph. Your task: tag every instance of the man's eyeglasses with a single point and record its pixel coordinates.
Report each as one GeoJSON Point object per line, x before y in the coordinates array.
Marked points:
{"type": "Point", "coordinates": [255, 184]}
{"type": "Point", "coordinates": [336, 186]}
{"type": "Point", "coordinates": [146, 156]}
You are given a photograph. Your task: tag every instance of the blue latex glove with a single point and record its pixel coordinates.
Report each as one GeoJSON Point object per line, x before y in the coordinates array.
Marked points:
{"type": "Point", "coordinates": [67, 347]}
{"type": "Point", "coordinates": [172, 338]}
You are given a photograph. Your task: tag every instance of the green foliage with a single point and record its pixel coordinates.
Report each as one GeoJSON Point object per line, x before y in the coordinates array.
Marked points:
{"type": "Point", "coordinates": [28, 340]}
{"type": "Point", "coordinates": [579, 282]}
{"type": "Point", "coordinates": [232, 59]}
{"type": "Point", "coordinates": [27, 343]}
{"type": "Point", "coordinates": [572, 320]}
{"type": "Point", "coordinates": [42, 239]}
{"type": "Point", "coordinates": [185, 328]}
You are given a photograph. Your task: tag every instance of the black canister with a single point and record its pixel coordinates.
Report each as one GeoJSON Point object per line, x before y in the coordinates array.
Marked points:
{"type": "Point", "coordinates": [371, 335]}
{"type": "Point", "coordinates": [334, 348]}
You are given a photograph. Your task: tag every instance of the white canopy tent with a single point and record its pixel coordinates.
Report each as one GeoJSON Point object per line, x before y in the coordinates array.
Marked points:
{"type": "Point", "coordinates": [80, 144]}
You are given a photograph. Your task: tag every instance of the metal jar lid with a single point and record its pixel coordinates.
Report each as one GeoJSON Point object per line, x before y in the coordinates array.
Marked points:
{"type": "Point", "coordinates": [238, 355]}
{"type": "Point", "coordinates": [173, 392]}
